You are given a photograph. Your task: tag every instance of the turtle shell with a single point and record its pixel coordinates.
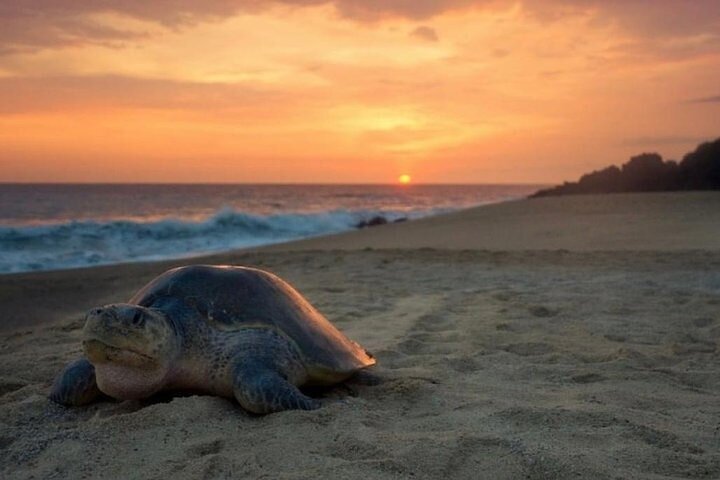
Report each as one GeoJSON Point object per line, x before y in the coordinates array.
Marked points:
{"type": "Point", "coordinates": [231, 298]}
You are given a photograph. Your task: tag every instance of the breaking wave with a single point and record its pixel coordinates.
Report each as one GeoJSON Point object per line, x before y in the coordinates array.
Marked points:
{"type": "Point", "coordinates": [85, 243]}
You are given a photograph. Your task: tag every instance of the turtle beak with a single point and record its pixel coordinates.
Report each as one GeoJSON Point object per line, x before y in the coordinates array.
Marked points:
{"type": "Point", "coordinates": [97, 321]}
{"type": "Point", "coordinates": [99, 314]}
{"type": "Point", "coordinates": [102, 321]}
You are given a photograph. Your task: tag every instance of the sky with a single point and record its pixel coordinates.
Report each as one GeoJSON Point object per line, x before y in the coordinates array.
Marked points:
{"type": "Point", "coordinates": [351, 91]}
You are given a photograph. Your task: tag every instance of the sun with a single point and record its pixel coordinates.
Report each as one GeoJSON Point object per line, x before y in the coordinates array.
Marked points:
{"type": "Point", "coordinates": [404, 179]}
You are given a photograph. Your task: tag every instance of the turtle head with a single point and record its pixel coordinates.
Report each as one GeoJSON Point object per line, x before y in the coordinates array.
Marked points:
{"type": "Point", "coordinates": [131, 347]}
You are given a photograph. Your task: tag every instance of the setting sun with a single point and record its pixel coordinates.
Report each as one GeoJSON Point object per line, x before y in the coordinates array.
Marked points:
{"type": "Point", "coordinates": [404, 179]}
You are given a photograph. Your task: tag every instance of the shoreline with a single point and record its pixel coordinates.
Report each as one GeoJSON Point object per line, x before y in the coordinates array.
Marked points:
{"type": "Point", "coordinates": [389, 235]}
{"type": "Point", "coordinates": [671, 224]}
{"type": "Point", "coordinates": [253, 231]}
{"type": "Point", "coordinates": [618, 222]}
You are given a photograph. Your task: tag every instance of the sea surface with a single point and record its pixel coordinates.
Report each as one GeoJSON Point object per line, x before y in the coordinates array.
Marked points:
{"type": "Point", "coordinates": [58, 226]}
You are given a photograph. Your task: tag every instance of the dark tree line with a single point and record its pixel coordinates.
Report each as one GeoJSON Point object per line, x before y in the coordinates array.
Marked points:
{"type": "Point", "coordinates": [698, 170]}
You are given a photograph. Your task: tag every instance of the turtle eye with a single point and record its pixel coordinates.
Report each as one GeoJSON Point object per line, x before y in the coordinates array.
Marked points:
{"type": "Point", "coordinates": [138, 318]}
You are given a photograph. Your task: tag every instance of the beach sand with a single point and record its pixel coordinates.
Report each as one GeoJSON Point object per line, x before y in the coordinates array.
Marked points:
{"type": "Point", "coordinates": [571, 337]}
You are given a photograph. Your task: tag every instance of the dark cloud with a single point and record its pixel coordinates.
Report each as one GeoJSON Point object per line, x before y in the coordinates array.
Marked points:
{"type": "Point", "coordinates": [661, 140]}
{"type": "Point", "coordinates": [424, 32]}
{"type": "Point", "coordinates": [371, 10]}
{"type": "Point", "coordinates": [660, 17]}
{"type": "Point", "coordinates": [170, 12]}
{"type": "Point", "coordinates": [715, 99]}
{"type": "Point", "coordinates": [32, 24]}
{"type": "Point", "coordinates": [27, 25]}
{"type": "Point", "coordinates": [26, 35]}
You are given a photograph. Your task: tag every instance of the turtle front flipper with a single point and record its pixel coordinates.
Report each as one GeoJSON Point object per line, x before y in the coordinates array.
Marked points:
{"type": "Point", "coordinates": [76, 384]}
{"type": "Point", "coordinates": [261, 388]}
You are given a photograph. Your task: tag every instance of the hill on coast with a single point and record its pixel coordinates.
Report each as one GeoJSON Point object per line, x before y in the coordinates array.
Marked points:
{"type": "Point", "coordinates": [648, 172]}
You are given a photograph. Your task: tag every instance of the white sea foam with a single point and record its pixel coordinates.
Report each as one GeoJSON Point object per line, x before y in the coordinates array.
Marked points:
{"type": "Point", "coordinates": [84, 243]}
{"type": "Point", "coordinates": [55, 226]}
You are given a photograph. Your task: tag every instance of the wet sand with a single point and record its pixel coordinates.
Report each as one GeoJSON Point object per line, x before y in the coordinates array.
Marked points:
{"type": "Point", "coordinates": [571, 337]}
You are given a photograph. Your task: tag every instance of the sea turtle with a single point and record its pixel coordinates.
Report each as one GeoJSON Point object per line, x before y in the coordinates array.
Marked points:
{"type": "Point", "coordinates": [232, 331]}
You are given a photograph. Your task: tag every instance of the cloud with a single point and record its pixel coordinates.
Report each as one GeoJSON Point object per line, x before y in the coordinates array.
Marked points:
{"type": "Point", "coordinates": [21, 95]}
{"type": "Point", "coordinates": [18, 34]}
{"type": "Point", "coordinates": [424, 32]}
{"type": "Point", "coordinates": [642, 17]}
{"type": "Point", "coordinates": [35, 24]}
{"type": "Point", "coordinates": [664, 17]}
{"type": "Point", "coordinates": [372, 10]}
{"type": "Point", "coordinates": [32, 24]}
{"type": "Point", "coordinates": [715, 99]}
{"type": "Point", "coordinates": [661, 140]}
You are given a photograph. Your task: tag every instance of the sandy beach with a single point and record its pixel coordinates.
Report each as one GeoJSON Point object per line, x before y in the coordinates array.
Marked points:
{"type": "Point", "coordinates": [572, 337]}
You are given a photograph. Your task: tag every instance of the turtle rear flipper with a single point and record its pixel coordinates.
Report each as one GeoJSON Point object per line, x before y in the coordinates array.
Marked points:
{"type": "Point", "coordinates": [76, 384]}
{"type": "Point", "coordinates": [261, 388]}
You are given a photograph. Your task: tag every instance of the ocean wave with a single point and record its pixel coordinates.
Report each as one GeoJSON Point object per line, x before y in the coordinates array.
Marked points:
{"type": "Point", "coordinates": [84, 243]}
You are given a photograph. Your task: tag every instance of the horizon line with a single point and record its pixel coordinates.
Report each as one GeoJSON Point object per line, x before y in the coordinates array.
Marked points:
{"type": "Point", "coordinates": [394, 184]}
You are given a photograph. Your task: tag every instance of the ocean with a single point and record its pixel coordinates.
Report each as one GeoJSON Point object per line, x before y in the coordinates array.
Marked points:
{"type": "Point", "coordinates": [58, 226]}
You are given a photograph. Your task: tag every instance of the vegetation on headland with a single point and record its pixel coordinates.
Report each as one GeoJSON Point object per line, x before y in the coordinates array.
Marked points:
{"type": "Point", "coordinates": [698, 170]}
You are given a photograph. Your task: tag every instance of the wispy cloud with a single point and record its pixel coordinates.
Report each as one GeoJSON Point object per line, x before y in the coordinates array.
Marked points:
{"type": "Point", "coordinates": [22, 95]}
{"type": "Point", "coordinates": [656, 141]}
{"type": "Point", "coordinates": [424, 32]}
{"type": "Point", "coordinates": [712, 99]}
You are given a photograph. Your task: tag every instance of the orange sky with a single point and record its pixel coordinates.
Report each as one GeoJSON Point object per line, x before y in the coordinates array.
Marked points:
{"type": "Point", "coordinates": [453, 91]}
